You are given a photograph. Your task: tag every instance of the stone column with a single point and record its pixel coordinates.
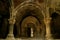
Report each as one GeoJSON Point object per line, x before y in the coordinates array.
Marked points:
{"type": "Point", "coordinates": [10, 34]}
{"type": "Point", "coordinates": [48, 30]}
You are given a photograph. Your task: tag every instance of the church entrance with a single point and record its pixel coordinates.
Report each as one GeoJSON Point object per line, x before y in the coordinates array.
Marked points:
{"type": "Point", "coordinates": [30, 27]}
{"type": "Point", "coordinates": [30, 30]}
{"type": "Point", "coordinates": [29, 21]}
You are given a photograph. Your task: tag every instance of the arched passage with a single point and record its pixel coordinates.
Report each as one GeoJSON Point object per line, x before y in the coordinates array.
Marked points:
{"type": "Point", "coordinates": [28, 23]}
{"type": "Point", "coordinates": [29, 10]}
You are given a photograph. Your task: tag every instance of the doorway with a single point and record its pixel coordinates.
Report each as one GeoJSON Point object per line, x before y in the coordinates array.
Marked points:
{"type": "Point", "coordinates": [28, 32]}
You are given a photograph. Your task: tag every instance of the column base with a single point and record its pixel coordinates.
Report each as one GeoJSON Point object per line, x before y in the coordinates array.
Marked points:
{"type": "Point", "coordinates": [10, 37]}
{"type": "Point", "coordinates": [49, 37]}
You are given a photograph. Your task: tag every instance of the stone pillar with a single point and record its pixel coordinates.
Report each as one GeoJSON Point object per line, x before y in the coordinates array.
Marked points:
{"type": "Point", "coordinates": [48, 30]}
{"type": "Point", "coordinates": [10, 34]}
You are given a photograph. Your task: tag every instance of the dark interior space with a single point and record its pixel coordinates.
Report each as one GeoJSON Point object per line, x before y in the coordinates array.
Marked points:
{"type": "Point", "coordinates": [28, 32]}
{"type": "Point", "coordinates": [55, 25]}
{"type": "Point", "coordinates": [15, 30]}
{"type": "Point", "coordinates": [4, 16]}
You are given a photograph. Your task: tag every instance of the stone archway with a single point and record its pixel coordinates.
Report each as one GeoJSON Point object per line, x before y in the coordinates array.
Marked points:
{"type": "Point", "coordinates": [29, 23]}
{"type": "Point", "coordinates": [29, 10]}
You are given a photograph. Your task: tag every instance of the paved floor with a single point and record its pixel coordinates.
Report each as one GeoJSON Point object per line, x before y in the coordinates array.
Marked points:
{"type": "Point", "coordinates": [29, 39]}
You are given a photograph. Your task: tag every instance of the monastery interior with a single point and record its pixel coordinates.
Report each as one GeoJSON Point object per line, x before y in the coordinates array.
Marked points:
{"type": "Point", "coordinates": [30, 19]}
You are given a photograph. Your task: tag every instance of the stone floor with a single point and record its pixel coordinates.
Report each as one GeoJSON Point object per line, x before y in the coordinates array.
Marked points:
{"type": "Point", "coordinates": [29, 39]}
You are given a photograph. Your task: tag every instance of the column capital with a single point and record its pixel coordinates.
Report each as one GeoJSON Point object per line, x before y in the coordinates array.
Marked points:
{"type": "Point", "coordinates": [11, 21]}
{"type": "Point", "coordinates": [47, 20]}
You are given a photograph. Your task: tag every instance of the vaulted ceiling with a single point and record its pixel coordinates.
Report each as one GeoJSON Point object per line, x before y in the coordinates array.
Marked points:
{"type": "Point", "coordinates": [17, 2]}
